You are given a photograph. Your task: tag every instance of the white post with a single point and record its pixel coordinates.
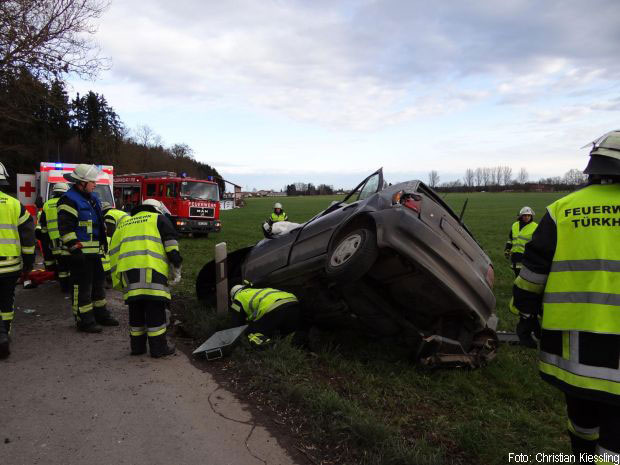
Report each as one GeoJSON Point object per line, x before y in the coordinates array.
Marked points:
{"type": "Point", "coordinates": [221, 277]}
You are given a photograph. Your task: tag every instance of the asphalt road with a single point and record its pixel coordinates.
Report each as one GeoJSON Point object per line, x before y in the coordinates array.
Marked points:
{"type": "Point", "coordinates": [75, 398]}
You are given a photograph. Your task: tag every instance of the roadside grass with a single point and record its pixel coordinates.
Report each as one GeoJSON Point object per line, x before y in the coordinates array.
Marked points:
{"type": "Point", "coordinates": [362, 401]}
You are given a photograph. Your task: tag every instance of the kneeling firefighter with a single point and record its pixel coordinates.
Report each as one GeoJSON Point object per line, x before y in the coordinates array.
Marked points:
{"type": "Point", "coordinates": [141, 252]}
{"type": "Point", "coordinates": [267, 312]}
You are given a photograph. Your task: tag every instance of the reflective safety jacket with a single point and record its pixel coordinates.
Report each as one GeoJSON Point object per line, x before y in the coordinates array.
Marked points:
{"type": "Point", "coordinates": [16, 236]}
{"type": "Point", "coordinates": [112, 219]}
{"type": "Point", "coordinates": [105, 259]}
{"type": "Point", "coordinates": [51, 218]}
{"type": "Point", "coordinates": [281, 217]}
{"type": "Point", "coordinates": [573, 268]}
{"type": "Point", "coordinates": [139, 256]}
{"type": "Point", "coordinates": [521, 236]}
{"type": "Point", "coordinates": [258, 302]}
{"type": "Point", "coordinates": [80, 220]}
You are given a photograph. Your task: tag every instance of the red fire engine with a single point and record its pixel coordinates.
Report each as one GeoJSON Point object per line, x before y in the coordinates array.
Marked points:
{"type": "Point", "coordinates": [193, 203]}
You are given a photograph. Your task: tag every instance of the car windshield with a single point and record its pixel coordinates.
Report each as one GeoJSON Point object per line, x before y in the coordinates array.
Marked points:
{"type": "Point", "coordinates": [200, 190]}
{"type": "Point", "coordinates": [104, 193]}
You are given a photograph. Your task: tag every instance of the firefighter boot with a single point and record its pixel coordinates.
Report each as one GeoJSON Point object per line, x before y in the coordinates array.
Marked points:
{"type": "Point", "coordinates": [138, 344]}
{"type": "Point", "coordinates": [104, 318]}
{"type": "Point", "coordinates": [159, 346]}
{"type": "Point", "coordinates": [86, 323]}
{"type": "Point", "coordinates": [4, 342]}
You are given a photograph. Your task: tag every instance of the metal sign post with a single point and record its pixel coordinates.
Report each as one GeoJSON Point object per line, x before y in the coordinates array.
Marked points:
{"type": "Point", "coordinates": [221, 277]}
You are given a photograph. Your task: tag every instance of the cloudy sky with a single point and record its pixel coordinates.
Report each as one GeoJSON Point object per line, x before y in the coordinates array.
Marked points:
{"type": "Point", "coordinates": [272, 91]}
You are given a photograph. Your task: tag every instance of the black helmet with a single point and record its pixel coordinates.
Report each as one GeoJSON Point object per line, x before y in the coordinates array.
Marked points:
{"type": "Point", "coordinates": [605, 155]}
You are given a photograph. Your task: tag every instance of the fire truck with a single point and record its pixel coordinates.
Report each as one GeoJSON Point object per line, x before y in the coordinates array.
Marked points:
{"type": "Point", "coordinates": [35, 189]}
{"type": "Point", "coordinates": [193, 203]}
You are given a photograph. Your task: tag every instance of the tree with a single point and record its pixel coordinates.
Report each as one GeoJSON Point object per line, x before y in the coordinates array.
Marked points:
{"type": "Point", "coordinates": [181, 152]}
{"type": "Point", "coordinates": [469, 177]}
{"type": "Point", "coordinates": [479, 177]}
{"type": "Point", "coordinates": [433, 178]}
{"type": "Point", "coordinates": [50, 38]}
{"type": "Point", "coordinates": [506, 175]}
{"type": "Point", "coordinates": [522, 177]}
{"type": "Point", "coordinates": [574, 177]}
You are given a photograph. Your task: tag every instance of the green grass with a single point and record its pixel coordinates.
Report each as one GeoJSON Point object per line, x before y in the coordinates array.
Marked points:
{"type": "Point", "coordinates": [364, 402]}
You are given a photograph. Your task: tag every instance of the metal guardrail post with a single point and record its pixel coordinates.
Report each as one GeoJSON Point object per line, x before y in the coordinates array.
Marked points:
{"type": "Point", "coordinates": [221, 277]}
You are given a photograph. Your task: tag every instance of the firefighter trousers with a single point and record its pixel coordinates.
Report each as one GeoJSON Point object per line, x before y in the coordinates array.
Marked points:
{"type": "Point", "coordinates": [593, 427]}
{"type": "Point", "coordinates": [147, 320]}
{"type": "Point", "coordinates": [7, 299]}
{"type": "Point", "coordinates": [64, 274]}
{"type": "Point", "coordinates": [89, 304]}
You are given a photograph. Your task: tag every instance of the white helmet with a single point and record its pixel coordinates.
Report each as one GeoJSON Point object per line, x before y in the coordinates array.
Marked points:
{"type": "Point", "coordinates": [4, 176]}
{"type": "Point", "coordinates": [60, 187]}
{"type": "Point", "coordinates": [160, 207]}
{"type": "Point", "coordinates": [526, 211]}
{"type": "Point", "coordinates": [83, 173]}
{"type": "Point", "coordinates": [105, 205]}
{"type": "Point", "coordinates": [235, 289]}
{"type": "Point", "coordinates": [277, 205]}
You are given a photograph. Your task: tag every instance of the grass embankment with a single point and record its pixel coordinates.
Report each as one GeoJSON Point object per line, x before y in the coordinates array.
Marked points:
{"type": "Point", "coordinates": [359, 401]}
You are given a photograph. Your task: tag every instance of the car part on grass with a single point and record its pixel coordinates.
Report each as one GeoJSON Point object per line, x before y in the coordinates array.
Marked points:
{"type": "Point", "coordinates": [392, 261]}
{"type": "Point", "coordinates": [221, 343]}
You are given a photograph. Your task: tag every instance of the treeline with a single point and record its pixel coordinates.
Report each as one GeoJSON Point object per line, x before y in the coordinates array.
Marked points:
{"type": "Point", "coordinates": [39, 122]}
{"type": "Point", "coordinates": [301, 188]}
{"type": "Point", "coordinates": [500, 178]}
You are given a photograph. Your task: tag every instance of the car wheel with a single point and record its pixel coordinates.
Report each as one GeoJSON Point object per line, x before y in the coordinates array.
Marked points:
{"type": "Point", "coordinates": [352, 255]}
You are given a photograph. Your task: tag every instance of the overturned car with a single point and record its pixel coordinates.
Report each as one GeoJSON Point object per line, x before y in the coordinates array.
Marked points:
{"type": "Point", "coordinates": [394, 261]}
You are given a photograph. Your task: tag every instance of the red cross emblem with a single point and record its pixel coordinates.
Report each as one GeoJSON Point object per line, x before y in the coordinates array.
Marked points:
{"type": "Point", "coordinates": [27, 189]}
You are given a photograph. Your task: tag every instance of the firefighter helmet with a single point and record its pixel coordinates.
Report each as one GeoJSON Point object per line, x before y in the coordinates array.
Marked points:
{"type": "Point", "coordinates": [605, 155]}
{"type": "Point", "coordinates": [526, 211]}
{"type": "Point", "coordinates": [60, 187]}
{"type": "Point", "coordinates": [235, 289]}
{"type": "Point", "coordinates": [4, 176]}
{"type": "Point", "coordinates": [83, 173]}
{"type": "Point", "coordinates": [277, 205]}
{"type": "Point", "coordinates": [159, 206]}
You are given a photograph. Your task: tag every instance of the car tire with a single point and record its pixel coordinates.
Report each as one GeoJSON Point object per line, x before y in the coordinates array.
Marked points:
{"type": "Point", "coordinates": [352, 255]}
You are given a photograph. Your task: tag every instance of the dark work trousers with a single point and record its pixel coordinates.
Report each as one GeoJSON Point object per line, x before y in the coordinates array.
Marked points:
{"type": "Point", "coordinates": [49, 260]}
{"type": "Point", "coordinates": [7, 298]}
{"type": "Point", "coordinates": [282, 321]}
{"type": "Point", "coordinates": [64, 273]}
{"type": "Point", "coordinates": [595, 426]}
{"type": "Point", "coordinates": [147, 317]}
{"type": "Point", "coordinates": [88, 280]}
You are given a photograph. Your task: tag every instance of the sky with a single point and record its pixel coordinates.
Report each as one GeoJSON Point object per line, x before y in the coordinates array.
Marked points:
{"type": "Point", "coordinates": [271, 92]}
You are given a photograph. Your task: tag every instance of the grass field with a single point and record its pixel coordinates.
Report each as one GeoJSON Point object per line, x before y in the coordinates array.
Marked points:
{"type": "Point", "coordinates": [358, 401]}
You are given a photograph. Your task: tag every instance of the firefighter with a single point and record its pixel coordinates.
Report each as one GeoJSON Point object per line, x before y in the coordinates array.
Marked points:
{"type": "Point", "coordinates": [112, 218]}
{"type": "Point", "coordinates": [571, 271]}
{"type": "Point", "coordinates": [520, 234]}
{"type": "Point", "coordinates": [17, 242]}
{"type": "Point", "coordinates": [41, 234]}
{"type": "Point", "coordinates": [49, 223]}
{"type": "Point", "coordinates": [278, 214]}
{"type": "Point", "coordinates": [143, 253]}
{"type": "Point", "coordinates": [268, 312]}
{"type": "Point", "coordinates": [82, 232]}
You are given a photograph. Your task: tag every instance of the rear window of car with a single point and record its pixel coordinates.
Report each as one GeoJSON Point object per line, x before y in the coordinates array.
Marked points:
{"type": "Point", "coordinates": [429, 193]}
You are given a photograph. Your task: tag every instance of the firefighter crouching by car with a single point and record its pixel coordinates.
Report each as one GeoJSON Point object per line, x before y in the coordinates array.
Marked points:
{"type": "Point", "coordinates": [49, 224]}
{"type": "Point", "coordinates": [82, 231]}
{"type": "Point", "coordinates": [267, 312]}
{"type": "Point", "coordinates": [144, 251]}
{"type": "Point", "coordinates": [520, 234]}
{"type": "Point", "coordinates": [16, 256]}
{"type": "Point", "coordinates": [278, 214]}
{"type": "Point", "coordinates": [571, 269]}
{"type": "Point", "coordinates": [112, 218]}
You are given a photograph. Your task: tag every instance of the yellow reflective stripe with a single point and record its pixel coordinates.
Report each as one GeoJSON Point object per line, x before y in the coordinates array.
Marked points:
{"type": "Point", "coordinates": [511, 306]}
{"type": "Point", "coordinates": [137, 330]}
{"type": "Point", "coordinates": [72, 211]}
{"type": "Point", "coordinates": [28, 250]}
{"type": "Point", "coordinates": [529, 286]}
{"type": "Point", "coordinates": [589, 434]}
{"type": "Point", "coordinates": [147, 292]}
{"type": "Point", "coordinates": [99, 303]}
{"type": "Point", "coordinates": [69, 237]}
{"type": "Point", "coordinates": [580, 381]}
{"type": "Point", "coordinates": [85, 308]}
{"type": "Point", "coordinates": [22, 219]}
{"type": "Point", "coordinates": [10, 269]}
{"type": "Point", "coordinates": [7, 316]}
{"type": "Point", "coordinates": [565, 345]}
{"type": "Point", "coordinates": [170, 248]}
{"type": "Point", "coordinates": [156, 331]}
{"type": "Point", "coordinates": [235, 306]}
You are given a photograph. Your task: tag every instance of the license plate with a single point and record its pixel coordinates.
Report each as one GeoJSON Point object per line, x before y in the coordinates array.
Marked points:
{"type": "Point", "coordinates": [203, 223]}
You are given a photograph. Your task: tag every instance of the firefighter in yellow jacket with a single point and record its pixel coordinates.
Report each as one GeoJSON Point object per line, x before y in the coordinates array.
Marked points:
{"type": "Point", "coordinates": [267, 312]}
{"type": "Point", "coordinates": [49, 226]}
{"type": "Point", "coordinates": [16, 256]}
{"type": "Point", "coordinates": [112, 218]}
{"type": "Point", "coordinates": [520, 234]}
{"type": "Point", "coordinates": [144, 252]}
{"type": "Point", "coordinates": [571, 272]}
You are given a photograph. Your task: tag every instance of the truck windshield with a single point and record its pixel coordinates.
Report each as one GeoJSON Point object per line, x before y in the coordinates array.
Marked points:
{"type": "Point", "coordinates": [104, 193]}
{"type": "Point", "coordinates": [200, 190]}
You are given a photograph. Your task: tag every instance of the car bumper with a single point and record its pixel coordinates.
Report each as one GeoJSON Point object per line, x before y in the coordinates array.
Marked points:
{"type": "Point", "coordinates": [197, 226]}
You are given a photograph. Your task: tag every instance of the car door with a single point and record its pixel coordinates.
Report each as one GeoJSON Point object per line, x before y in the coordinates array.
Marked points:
{"type": "Point", "coordinates": [316, 234]}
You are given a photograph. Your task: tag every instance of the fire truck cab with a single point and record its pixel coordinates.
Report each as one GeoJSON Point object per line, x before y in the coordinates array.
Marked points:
{"type": "Point", "coordinates": [33, 190]}
{"type": "Point", "coordinates": [193, 203]}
